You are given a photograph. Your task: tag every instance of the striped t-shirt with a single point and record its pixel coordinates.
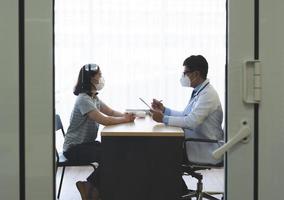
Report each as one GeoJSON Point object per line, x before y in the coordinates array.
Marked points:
{"type": "Point", "coordinates": [82, 129]}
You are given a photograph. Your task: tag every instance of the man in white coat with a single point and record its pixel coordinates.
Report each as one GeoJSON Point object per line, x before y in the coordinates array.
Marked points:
{"type": "Point", "coordinates": [203, 115]}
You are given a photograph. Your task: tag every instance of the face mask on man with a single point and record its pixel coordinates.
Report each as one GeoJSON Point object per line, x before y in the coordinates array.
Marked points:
{"type": "Point", "coordinates": [185, 81]}
{"type": "Point", "coordinates": [101, 84]}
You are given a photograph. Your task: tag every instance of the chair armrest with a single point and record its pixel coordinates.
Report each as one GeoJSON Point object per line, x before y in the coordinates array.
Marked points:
{"type": "Point", "coordinates": [201, 140]}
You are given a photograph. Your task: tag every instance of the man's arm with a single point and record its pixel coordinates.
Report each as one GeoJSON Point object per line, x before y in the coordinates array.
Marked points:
{"type": "Point", "coordinates": [204, 106]}
{"type": "Point", "coordinates": [171, 112]}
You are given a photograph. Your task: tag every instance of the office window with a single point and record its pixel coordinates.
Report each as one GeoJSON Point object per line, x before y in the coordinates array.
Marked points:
{"type": "Point", "coordinates": [140, 46]}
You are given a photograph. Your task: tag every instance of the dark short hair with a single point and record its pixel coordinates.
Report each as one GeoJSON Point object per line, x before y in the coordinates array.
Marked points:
{"type": "Point", "coordinates": [84, 84]}
{"type": "Point", "coordinates": [197, 63]}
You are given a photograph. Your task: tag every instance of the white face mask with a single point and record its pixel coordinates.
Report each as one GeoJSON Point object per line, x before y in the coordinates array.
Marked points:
{"type": "Point", "coordinates": [101, 84]}
{"type": "Point", "coordinates": [185, 81]}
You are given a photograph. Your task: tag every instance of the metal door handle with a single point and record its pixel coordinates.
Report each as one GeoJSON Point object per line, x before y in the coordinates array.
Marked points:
{"type": "Point", "coordinates": [241, 136]}
{"type": "Point", "coordinates": [252, 82]}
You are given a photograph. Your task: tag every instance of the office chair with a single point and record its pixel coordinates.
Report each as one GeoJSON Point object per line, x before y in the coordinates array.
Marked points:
{"type": "Point", "coordinates": [61, 160]}
{"type": "Point", "coordinates": [192, 169]}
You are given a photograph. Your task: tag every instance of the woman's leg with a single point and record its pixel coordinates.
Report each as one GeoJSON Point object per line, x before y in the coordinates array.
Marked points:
{"type": "Point", "coordinates": [86, 153]}
{"type": "Point", "coordinates": [94, 178]}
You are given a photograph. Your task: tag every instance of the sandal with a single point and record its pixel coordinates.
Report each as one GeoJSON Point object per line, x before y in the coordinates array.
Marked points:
{"type": "Point", "coordinates": [87, 191]}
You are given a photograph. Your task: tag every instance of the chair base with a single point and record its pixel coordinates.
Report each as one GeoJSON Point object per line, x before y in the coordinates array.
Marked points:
{"type": "Point", "coordinates": [199, 195]}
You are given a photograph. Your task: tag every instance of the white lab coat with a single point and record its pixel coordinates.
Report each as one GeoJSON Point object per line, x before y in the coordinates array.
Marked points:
{"type": "Point", "coordinates": [202, 118]}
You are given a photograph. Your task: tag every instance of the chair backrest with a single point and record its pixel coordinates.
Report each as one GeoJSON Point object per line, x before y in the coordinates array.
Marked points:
{"type": "Point", "coordinates": [198, 166]}
{"type": "Point", "coordinates": [58, 124]}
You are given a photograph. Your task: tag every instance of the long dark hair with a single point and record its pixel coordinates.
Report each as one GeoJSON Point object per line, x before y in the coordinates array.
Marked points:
{"type": "Point", "coordinates": [84, 84]}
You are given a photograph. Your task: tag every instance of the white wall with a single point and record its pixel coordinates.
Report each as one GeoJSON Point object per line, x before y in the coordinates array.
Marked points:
{"type": "Point", "coordinates": [239, 167]}
{"type": "Point", "coordinates": [38, 100]}
{"type": "Point", "coordinates": [9, 100]}
{"type": "Point", "coordinates": [271, 133]}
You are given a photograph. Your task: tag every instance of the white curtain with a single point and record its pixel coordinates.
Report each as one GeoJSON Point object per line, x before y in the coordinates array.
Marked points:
{"type": "Point", "coordinates": [140, 46]}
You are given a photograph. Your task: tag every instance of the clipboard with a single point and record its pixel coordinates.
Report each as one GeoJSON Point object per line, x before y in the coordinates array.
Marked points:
{"type": "Point", "coordinates": [145, 103]}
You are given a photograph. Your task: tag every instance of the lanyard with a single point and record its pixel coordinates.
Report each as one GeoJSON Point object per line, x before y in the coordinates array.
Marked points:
{"type": "Point", "coordinates": [196, 93]}
{"type": "Point", "coordinates": [189, 105]}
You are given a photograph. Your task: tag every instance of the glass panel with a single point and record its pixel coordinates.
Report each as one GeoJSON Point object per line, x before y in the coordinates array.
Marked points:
{"type": "Point", "coordinates": [140, 46]}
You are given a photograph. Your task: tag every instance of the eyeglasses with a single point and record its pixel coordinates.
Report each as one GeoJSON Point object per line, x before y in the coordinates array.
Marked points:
{"type": "Point", "coordinates": [91, 67]}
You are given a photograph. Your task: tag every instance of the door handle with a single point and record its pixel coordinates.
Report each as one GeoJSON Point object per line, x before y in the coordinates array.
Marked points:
{"type": "Point", "coordinates": [241, 136]}
{"type": "Point", "coordinates": [252, 81]}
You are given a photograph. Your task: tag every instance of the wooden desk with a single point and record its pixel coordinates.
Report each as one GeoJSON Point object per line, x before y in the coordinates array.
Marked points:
{"type": "Point", "coordinates": [141, 161]}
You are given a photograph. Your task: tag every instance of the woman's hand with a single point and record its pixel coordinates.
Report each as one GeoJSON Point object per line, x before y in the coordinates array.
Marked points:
{"type": "Point", "coordinates": [157, 105]}
{"type": "Point", "coordinates": [129, 117]}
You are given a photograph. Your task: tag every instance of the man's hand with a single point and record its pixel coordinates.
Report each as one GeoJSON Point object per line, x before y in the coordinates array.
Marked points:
{"type": "Point", "coordinates": [157, 105]}
{"type": "Point", "coordinates": [157, 115]}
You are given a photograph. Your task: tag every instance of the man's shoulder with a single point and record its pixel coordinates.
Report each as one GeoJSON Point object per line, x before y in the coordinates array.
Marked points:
{"type": "Point", "coordinates": [209, 93]}
{"type": "Point", "coordinates": [209, 90]}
